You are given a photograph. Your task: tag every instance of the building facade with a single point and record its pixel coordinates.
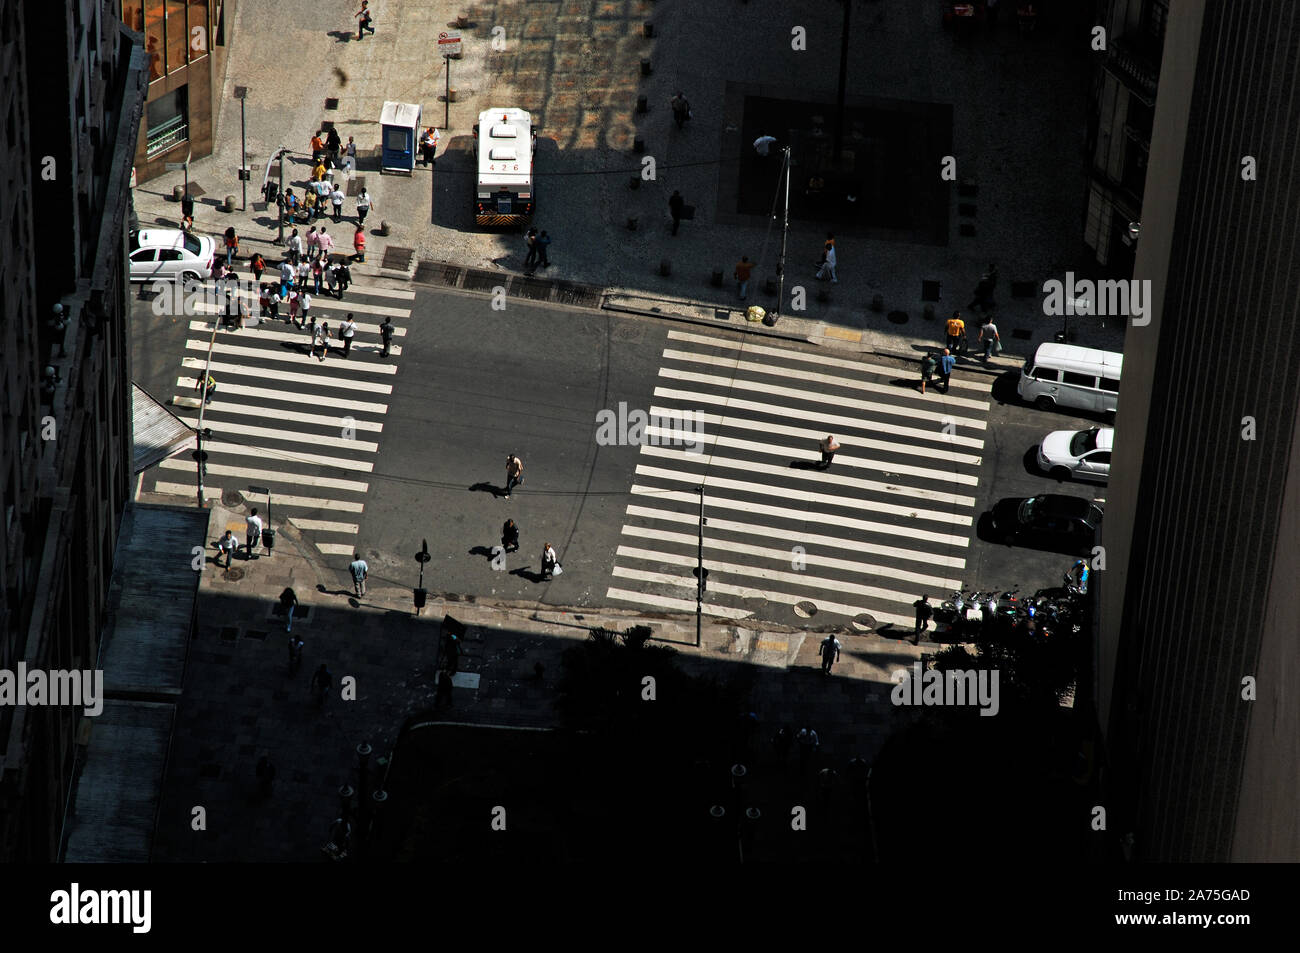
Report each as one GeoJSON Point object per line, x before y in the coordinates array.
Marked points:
{"type": "Point", "coordinates": [1119, 140]}
{"type": "Point", "coordinates": [72, 105]}
{"type": "Point", "coordinates": [1198, 661]}
{"type": "Point", "coordinates": [184, 42]}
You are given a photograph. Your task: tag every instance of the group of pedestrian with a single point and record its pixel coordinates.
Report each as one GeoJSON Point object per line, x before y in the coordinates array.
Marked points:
{"type": "Point", "coordinates": [538, 245]}
{"type": "Point", "coordinates": [227, 544]}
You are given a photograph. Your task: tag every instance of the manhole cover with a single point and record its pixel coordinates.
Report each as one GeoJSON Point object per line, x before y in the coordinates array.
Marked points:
{"type": "Point", "coordinates": [805, 609]}
{"type": "Point", "coordinates": [864, 622]}
{"type": "Point", "coordinates": [897, 317]}
{"type": "Point", "coordinates": [356, 184]}
{"type": "Point", "coordinates": [398, 259]}
{"type": "Point", "coordinates": [234, 575]}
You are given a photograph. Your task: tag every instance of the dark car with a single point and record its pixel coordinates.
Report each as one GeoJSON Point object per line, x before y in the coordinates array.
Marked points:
{"type": "Point", "coordinates": [1051, 521]}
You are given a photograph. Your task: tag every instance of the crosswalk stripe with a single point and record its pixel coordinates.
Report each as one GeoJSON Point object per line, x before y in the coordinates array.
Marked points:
{"type": "Point", "coordinates": [750, 592]}
{"type": "Point", "coordinates": [282, 354]}
{"type": "Point", "coordinates": [196, 363]}
{"type": "Point", "coordinates": [337, 549]}
{"type": "Point", "coordinates": [819, 358]}
{"type": "Point", "coordinates": [834, 422]}
{"type": "Point", "coordinates": [298, 334]}
{"type": "Point", "coordinates": [263, 475]}
{"type": "Point", "coordinates": [186, 489]}
{"type": "Point", "coordinates": [272, 277]}
{"type": "Point", "coordinates": [799, 537]}
{"type": "Point", "coordinates": [704, 421]}
{"type": "Point", "coordinates": [188, 385]}
{"type": "Point", "coordinates": [798, 579]}
{"type": "Point", "coordinates": [323, 304]}
{"type": "Point", "coordinates": [713, 501]}
{"type": "Point", "coordinates": [682, 476]}
{"type": "Point", "coordinates": [821, 477]}
{"type": "Point", "coordinates": [278, 413]}
{"type": "Point", "coordinates": [290, 456]}
{"type": "Point", "coordinates": [757, 367]}
{"type": "Point", "coordinates": [798, 393]}
{"type": "Point", "coordinates": [788, 556]}
{"type": "Point", "coordinates": [767, 427]}
{"type": "Point", "coordinates": [289, 436]}
{"type": "Point", "coordinates": [681, 605]}
{"type": "Point", "coordinates": [329, 526]}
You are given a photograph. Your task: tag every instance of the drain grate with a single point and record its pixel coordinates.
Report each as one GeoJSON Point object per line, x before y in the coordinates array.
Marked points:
{"type": "Point", "coordinates": [476, 280]}
{"type": "Point", "coordinates": [356, 184]}
{"type": "Point", "coordinates": [396, 258]}
{"type": "Point", "coordinates": [438, 273]}
{"type": "Point", "coordinates": [535, 289]}
{"type": "Point", "coordinates": [229, 634]}
{"type": "Point", "coordinates": [578, 295]}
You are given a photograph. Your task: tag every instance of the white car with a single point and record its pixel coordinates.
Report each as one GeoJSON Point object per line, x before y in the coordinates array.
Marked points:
{"type": "Point", "coordinates": [1077, 453]}
{"type": "Point", "coordinates": [168, 254]}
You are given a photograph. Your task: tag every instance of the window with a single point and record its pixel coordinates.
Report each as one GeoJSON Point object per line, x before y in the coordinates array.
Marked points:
{"type": "Point", "coordinates": [169, 254]}
{"type": "Point", "coordinates": [178, 36]}
{"type": "Point", "coordinates": [1081, 380]}
{"type": "Point", "coordinates": [153, 37]}
{"type": "Point", "coordinates": [133, 15]}
{"type": "Point", "coordinates": [1100, 457]}
{"type": "Point", "coordinates": [192, 244]}
{"type": "Point", "coordinates": [200, 44]}
{"type": "Point", "coordinates": [1046, 374]}
{"type": "Point", "coordinates": [144, 255]}
{"type": "Point", "coordinates": [1110, 384]}
{"type": "Point", "coordinates": [168, 121]}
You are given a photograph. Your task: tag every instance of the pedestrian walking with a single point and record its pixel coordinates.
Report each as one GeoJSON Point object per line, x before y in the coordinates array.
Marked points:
{"type": "Point", "coordinates": [364, 205]}
{"type": "Point", "coordinates": [827, 266]}
{"type": "Point", "coordinates": [543, 243]}
{"type": "Point", "coordinates": [317, 147]}
{"type": "Point", "coordinates": [336, 199]}
{"type": "Point", "coordinates": [295, 303]}
{"type": "Point", "coordinates": [331, 278]}
{"type": "Point", "coordinates": [286, 278]}
{"type": "Point", "coordinates": [231, 312]}
{"type": "Point", "coordinates": [744, 268]}
{"type": "Point", "coordinates": [681, 109]}
{"type": "Point", "coordinates": [350, 155]}
{"type": "Point", "coordinates": [675, 206]}
{"type": "Point", "coordinates": [514, 473]}
{"type": "Point", "coordinates": [254, 531]}
{"type": "Point", "coordinates": [386, 334]}
{"type": "Point", "coordinates": [347, 331]}
{"type": "Point", "coordinates": [989, 338]}
{"type": "Point", "coordinates": [274, 300]}
{"type": "Point", "coordinates": [326, 242]}
{"type": "Point", "coordinates": [923, 613]}
{"type": "Point", "coordinates": [226, 544]}
{"type": "Point", "coordinates": [317, 274]}
{"type": "Point", "coordinates": [510, 536]}
{"type": "Point", "coordinates": [311, 205]}
{"type": "Point", "coordinates": [258, 264]}
{"type": "Point", "coordinates": [830, 652]}
{"type": "Point", "coordinates": [928, 366]}
{"type": "Point", "coordinates": [364, 19]}
{"type": "Point", "coordinates": [359, 244]}
{"type": "Point", "coordinates": [302, 275]}
{"type": "Point", "coordinates": [550, 562]}
{"type": "Point", "coordinates": [312, 244]}
{"type": "Point", "coordinates": [360, 572]}
{"type": "Point", "coordinates": [295, 643]}
{"type": "Point", "coordinates": [983, 300]}
{"type": "Point", "coordinates": [345, 278]}
{"type": "Point", "coordinates": [289, 603]}
{"type": "Point", "coordinates": [763, 144]}
{"type": "Point", "coordinates": [781, 742]}
{"type": "Point", "coordinates": [294, 246]}
{"type": "Point", "coordinates": [290, 205]}
{"type": "Point", "coordinates": [318, 170]}
{"type": "Point", "coordinates": [304, 302]}
{"type": "Point", "coordinates": [530, 242]}
{"type": "Point", "coordinates": [265, 775]}
{"type": "Point", "coordinates": [332, 146]}
{"type": "Point", "coordinates": [321, 681]}
{"type": "Point", "coordinates": [263, 302]}
{"type": "Point", "coordinates": [955, 329]}
{"type": "Point", "coordinates": [321, 338]}
{"type": "Point", "coordinates": [808, 744]}
{"type": "Point", "coordinates": [428, 146]}
{"type": "Point", "coordinates": [946, 363]}
{"type": "Point", "coordinates": [232, 246]}
{"type": "Point", "coordinates": [828, 447]}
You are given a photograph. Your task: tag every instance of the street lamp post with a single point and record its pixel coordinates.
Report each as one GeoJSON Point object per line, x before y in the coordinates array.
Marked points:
{"type": "Point", "coordinates": [844, 73]}
{"type": "Point", "coordinates": [280, 199]}
{"type": "Point", "coordinates": [701, 574]}
{"type": "Point", "coordinates": [241, 93]}
{"type": "Point", "coordinates": [421, 594]}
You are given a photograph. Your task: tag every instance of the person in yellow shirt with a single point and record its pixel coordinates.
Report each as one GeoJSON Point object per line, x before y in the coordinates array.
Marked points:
{"type": "Point", "coordinates": [956, 333]}
{"type": "Point", "coordinates": [318, 173]}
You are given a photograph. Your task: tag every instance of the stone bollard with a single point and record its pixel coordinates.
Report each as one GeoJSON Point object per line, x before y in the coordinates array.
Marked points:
{"type": "Point", "coordinates": [716, 281]}
{"type": "Point", "coordinates": [631, 223]}
{"type": "Point", "coordinates": [178, 192]}
{"type": "Point", "coordinates": [823, 294]}
{"type": "Point", "coordinates": [638, 145]}
{"type": "Point", "coordinates": [383, 228]}
{"type": "Point", "coordinates": [928, 312]}
{"type": "Point", "coordinates": [665, 267]}
{"type": "Point", "coordinates": [229, 204]}
{"type": "Point", "coordinates": [769, 286]}
{"type": "Point", "coordinates": [877, 303]}
{"type": "Point", "coordinates": [451, 95]}
{"type": "Point", "coordinates": [645, 68]}
{"type": "Point", "coordinates": [642, 104]}
{"type": "Point", "coordinates": [648, 29]}
{"type": "Point", "coordinates": [634, 183]}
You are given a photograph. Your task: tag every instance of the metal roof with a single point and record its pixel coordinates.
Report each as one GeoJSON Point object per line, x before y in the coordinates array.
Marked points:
{"type": "Point", "coordinates": [157, 432]}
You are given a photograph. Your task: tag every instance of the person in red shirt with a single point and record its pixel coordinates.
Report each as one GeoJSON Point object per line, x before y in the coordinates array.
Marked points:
{"type": "Point", "coordinates": [744, 268]}
{"type": "Point", "coordinates": [359, 243]}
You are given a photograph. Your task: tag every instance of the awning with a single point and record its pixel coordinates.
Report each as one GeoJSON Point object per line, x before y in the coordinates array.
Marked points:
{"type": "Point", "coordinates": [158, 432]}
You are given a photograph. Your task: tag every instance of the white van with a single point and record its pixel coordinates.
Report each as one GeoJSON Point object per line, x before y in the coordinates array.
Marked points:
{"type": "Point", "coordinates": [504, 141]}
{"type": "Point", "coordinates": [1063, 375]}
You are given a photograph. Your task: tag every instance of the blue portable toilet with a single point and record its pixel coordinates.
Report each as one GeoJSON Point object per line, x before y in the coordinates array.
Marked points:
{"type": "Point", "coordinates": [399, 130]}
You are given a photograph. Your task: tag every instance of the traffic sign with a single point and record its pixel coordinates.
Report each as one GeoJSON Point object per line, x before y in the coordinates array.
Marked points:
{"type": "Point", "coordinates": [449, 43]}
{"type": "Point", "coordinates": [175, 166]}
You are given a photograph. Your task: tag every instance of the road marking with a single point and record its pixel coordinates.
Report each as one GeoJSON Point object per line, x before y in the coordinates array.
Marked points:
{"type": "Point", "coordinates": [812, 516]}
{"type": "Point", "coordinates": [820, 358]}
{"type": "Point", "coordinates": [196, 363]}
{"type": "Point", "coordinates": [842, 334]}
{"type": "Point", "coordinates": [336, 549]}
{"type": "Point", "coordinates": [834, 422]}
{"type": "Point", "coordinates": [186, 489]}
{"type": "Point", "coordinates": [297, 397]}
{"type": "Point", "coordinates": [681, 605]}
{"type": "Point", "coordinates": [281, 354]}
{"type": "Point", "coordinates": [757, 367]}
{"type": "Point", "coordinates": [786, 556]}
{"type": "Point", "coordinates": [329, 526]}
{"type": "Point", "coordinates": [288, 456]}
{"type": "Point", "coordinates": [767, 427]}
{"type": "Point", "coordinates": [256, 410]}
{"type": "Point", "coordinates": [288, 436]}
{"type": "Point", "coordinates": [319, 303]}
{"type": "Point", "coordinates": [297, 334]}
{"type": "Point", "coordinates": [822, 478]}
{"type": "Point", "coordinates": [263, 475]}
{"type": "Point", "coordinates": [908, 512]}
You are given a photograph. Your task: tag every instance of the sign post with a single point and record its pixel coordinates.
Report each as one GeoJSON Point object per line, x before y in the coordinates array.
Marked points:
{"type": "Point", "coordinates": [448, 46]}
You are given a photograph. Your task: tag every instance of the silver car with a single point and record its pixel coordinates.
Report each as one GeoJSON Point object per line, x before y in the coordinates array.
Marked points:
{"type": "Point", "coordinates": [1077, 453]}
{"type": "Point", "coordinates": [169, 254]}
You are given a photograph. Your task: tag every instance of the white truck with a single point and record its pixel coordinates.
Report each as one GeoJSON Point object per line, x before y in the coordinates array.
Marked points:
{"type": "Point", "coordinates": [504, 142]}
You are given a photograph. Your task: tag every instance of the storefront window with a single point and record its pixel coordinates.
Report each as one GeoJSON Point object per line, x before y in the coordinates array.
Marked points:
{"type": "Point", "coordinates": [133, 15]}
{"type": "Point", "coordinates": [168, 121]}
{"type": "Point", "coordinates": [178, 36]}
{"type": "Point", "coordinates": [153, 37]}
{"type": "Point", "coordinates": [200, 42]}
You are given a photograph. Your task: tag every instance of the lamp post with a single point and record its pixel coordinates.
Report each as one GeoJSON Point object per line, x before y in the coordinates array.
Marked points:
{"type": "Point", "coordinates": [280, 199]}
{"type": "Point", "coordinates": [241, 93]}
{"type": "Point", "coordinates": [701, 574]}
{"type": "Point", "coordinates": [844, 73]}
{"type": "Point", "coordinates": [421, 594]}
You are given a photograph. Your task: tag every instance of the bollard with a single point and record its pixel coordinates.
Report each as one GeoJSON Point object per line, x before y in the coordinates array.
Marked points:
{"type": "Point", "coordinates": [769, 287]}
{"type": "Point", "coordinates": [645, 68]}
{"type": "Point", "coordinates": [878, 303]}
{"type": "Point", "coordinates": [928, 312]}
{"type": "Point", "coordinates": [665, 267]}
{"type": "Point", "coordinates": [631, 223]}
{"type": "Point", "coordinates": [717, 278]}
{"type": "Point", "coordinates": [634, 183]}
{"type": "Point", "coordinates": [383, 228]}
{"type": "Point", "coordinates": [451, 95]}
{"type": "Point", "coordinates": [178, 192]}
{"type": "Point", "coordinates": [638, 145]}
{"type": "Point", "coordinates": [648, 29]}
{"type": "Point", "coordinates": [229, 205]}
{"type": "Point", "coordinates": [642, 104]}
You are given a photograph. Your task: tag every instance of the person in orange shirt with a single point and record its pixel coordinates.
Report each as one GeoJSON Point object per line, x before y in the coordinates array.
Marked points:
{"type": "Point", "coordinates": [317, 147]}
{"type": "Point", "coordinates": [359, 243]}
{"type": "Point", "coordinates": [744, 268]}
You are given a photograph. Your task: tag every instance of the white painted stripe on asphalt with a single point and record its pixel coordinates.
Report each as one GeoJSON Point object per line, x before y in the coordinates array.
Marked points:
{"type": "Point", "coordinates": [187, 385]}
{"type": "Point", "coordinates": [186, 489]}
{"type": "Point", "coordinates": [798, 579]}
{"type": "Point", "coordinates": [295, 334]}
{"type": "Point", "coordinates": [793, 493]}
{"type": "Point", "coordinates": [813, 516]}
{"type": "Point", "coordinates": [835, 423]}
{"type": "Point", "coordinates": [819, 358]}
{"type": "Point", "coordinates": [835, 400]}
{"type": "Point", "coordinates": [287, 456]}
{"type": "Point", "coordinates": [735, 364]}
{"type": "Point", "coordinates": [272, 433]}
{"type": "Point", "coordinates": [819, 476]}
{"type": "Point", "coordinates": [198, 363]}
{"type": "Point", "coordinates": [792, 538]}
{"type": "Point", "coordinates": [707, 421]}
{"type": "Point", "coordinates": [681, 605]}
{"type": "Point", "coordinates": [329, 526]}
{"type": "Point", "coordinates": [262, 475]}
{"type": "Point", "coordinates": [301, 358]}
{"type": "Point", "coordinates": [278, 413]}
{"type": "Point", "coordinates": [324, 304]}
{"type": "Point", "coordinates": [797, 536]}
{"type": "Point", "coordinates": [767, 427]}
{"type": "Point", "coordinates": [748, 592]}
{"type": "Point", "coordinates": [336, 549]}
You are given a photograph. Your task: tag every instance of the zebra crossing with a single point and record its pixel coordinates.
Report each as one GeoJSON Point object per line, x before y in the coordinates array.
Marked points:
{"type": "Point", "coordinates": [281, 418]}
{"type": "Point", "coordinates": [889, 520]}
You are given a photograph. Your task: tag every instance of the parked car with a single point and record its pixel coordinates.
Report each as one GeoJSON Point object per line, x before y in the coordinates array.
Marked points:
{"type": "Point", "coordinates": [1051, 521]}
{"type": "Point", "coordinates": [1077, 453]}
{"type": "Point", "coordinates": [168, 254]}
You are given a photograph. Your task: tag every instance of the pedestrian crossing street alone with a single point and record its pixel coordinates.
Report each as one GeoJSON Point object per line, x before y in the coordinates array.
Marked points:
{"type": "Point", "coordinates": [890, 520]}
{"type": "Point", "coordinates": [280, 418]}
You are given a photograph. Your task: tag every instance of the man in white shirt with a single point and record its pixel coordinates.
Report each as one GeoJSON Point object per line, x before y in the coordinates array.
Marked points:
{"type": "Point", "coordinates": [336, 197]}
{"type": "Point", "coordinates": [828, 265]}
{"type": "Point", "coordinates": [363, 206]}
{"type": "Point", "coordinates": [254, 531]}
{"type": "Point", "coordinates": [347, 331]}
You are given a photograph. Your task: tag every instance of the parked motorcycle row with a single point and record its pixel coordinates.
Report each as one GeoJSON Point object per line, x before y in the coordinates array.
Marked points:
{"type": "Point", "coordinates": [1055, 611]}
